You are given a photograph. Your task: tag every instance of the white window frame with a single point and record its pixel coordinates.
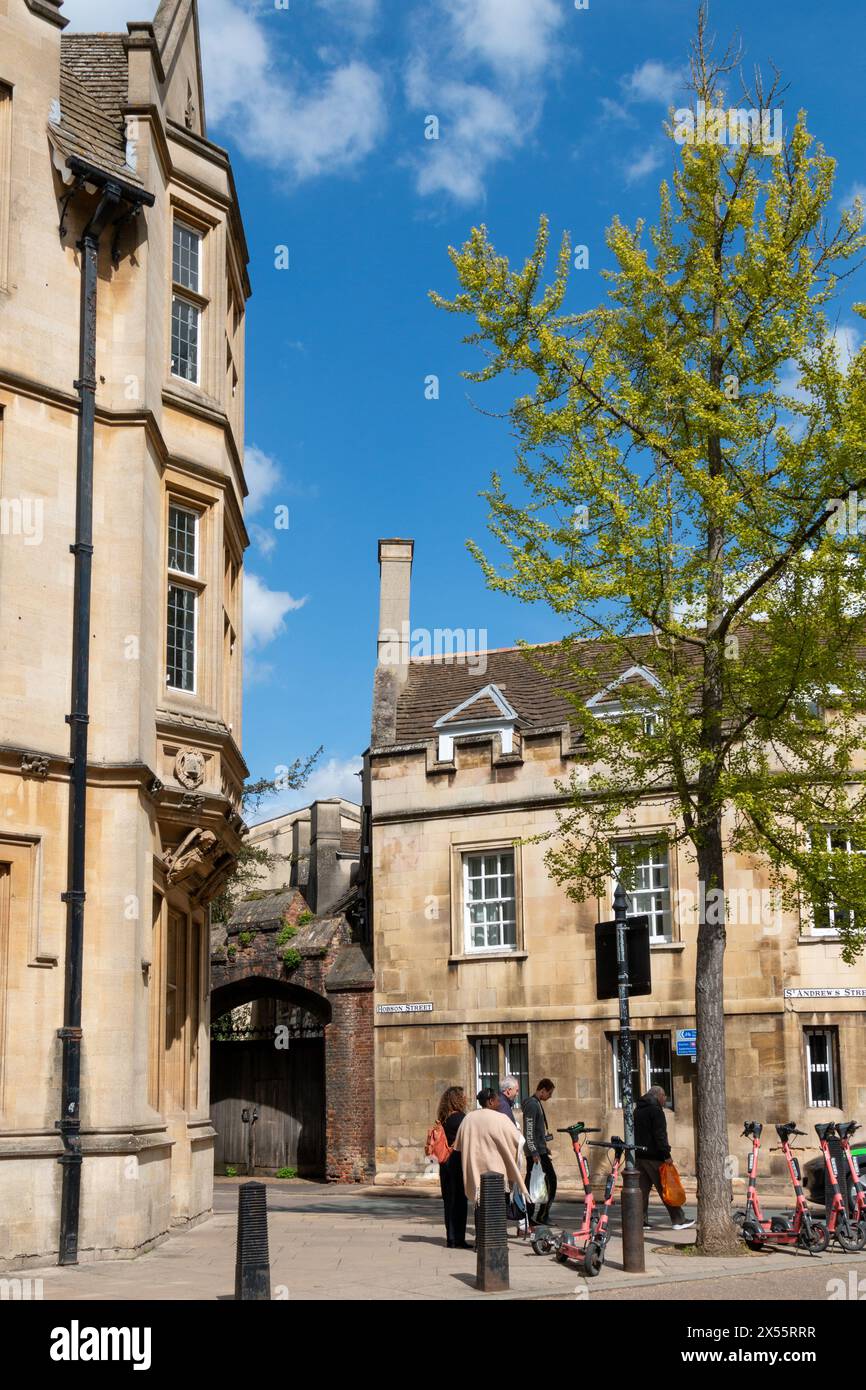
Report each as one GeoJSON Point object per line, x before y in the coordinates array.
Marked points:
{"type": "Point", "coordinates": [184, 579]}
{"type": "Point", "coordinates": [192, 297]}
{"type": "Point", "coordinates": [468, 925]}
{"type": "Point", "coordinates": [831, 1068]}
{"type": "Point", "coordinates": [634, 909]}
{"type": "Point", "coordinates": [830, 833]}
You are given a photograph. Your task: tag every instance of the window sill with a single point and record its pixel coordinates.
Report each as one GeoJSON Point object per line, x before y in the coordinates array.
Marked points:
{"type": "Point", "coordinates": [810, 938]}
{"type": "Point", "coordinates": [667, 946]}
{"type": "Point", "coordinates": [487, 955]}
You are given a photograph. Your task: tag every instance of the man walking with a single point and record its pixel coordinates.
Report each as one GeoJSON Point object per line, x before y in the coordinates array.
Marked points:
{"type": "Point", "coordinates": [508, 1093]}
{"type": "Point", "coordinates": [537, 1151]}
{"type": "Point", "coordinates": [651, 1135]}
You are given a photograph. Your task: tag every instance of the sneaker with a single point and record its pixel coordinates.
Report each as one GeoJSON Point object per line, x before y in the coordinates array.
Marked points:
{"type": "Point", "coordinates": [683, 1225]}
{"type": "Point", "coordinates": [647, 1226]}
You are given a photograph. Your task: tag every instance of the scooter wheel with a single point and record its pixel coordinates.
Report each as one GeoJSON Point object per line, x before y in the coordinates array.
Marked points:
{"type": "Point", "coordinates": [561, 1257]}
{"type": "Point", "coordinates": [543, 1240]}
{"type": "Point", "coordinates": [817, 1241]}
{"type": "Point", "coordinates": [593, 1259]}
{"type": "Point", "coordinates": [852, 1240]}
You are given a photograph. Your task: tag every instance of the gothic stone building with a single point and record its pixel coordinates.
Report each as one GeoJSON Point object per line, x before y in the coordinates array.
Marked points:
{"type": "Point", "coordinates": [103, 136]}
{"type": "Point", "coordinates": [484, 966]}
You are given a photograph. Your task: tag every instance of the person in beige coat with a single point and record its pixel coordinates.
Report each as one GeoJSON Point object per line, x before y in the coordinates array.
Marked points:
{"type": "Point", "coordinates": [488, 1142]}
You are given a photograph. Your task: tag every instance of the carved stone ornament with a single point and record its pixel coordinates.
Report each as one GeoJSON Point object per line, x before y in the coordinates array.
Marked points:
{"type": "Point", "coordinates": [194, 853]}
{"type": "Point", "coordinates": [189, 768]}
{"type": "Point", "coordinates": [34, 765]}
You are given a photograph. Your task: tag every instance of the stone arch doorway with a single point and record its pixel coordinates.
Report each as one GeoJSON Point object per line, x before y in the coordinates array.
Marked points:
{"type": "Point", "coordinates": [314, 1095]}
{"type": "Point", "coordinates": [271, 1066]}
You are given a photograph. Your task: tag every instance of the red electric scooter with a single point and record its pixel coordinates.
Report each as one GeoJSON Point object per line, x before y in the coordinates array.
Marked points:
{"type": "Point", "coordinates": [587, 1247]}
{"type": "Point", "coordinates": [544, 1239]}
{"type": "Point", "coordinates": [850, 1235]}
{"type": "Point", "coordinates": [799, 1230]}
{"type": "Point", "coordinates": [845, 1129]}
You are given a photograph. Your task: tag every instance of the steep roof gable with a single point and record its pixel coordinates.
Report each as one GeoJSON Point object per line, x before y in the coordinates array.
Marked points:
{"type": "Point", "coordinates": [487, 703]}
{"type": "Point", "coordinates": [626, 691]}
{"type": "Point", "coordinates": [176, 29]}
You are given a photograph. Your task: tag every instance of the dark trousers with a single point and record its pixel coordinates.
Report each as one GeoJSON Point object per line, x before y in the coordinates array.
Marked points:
{"type": "Point", "coordinates": [539, 1214]}
{"type": "Point", "coordinates": [649, 1178]}
{"type": "Point", "coordinates": [454, 1199]}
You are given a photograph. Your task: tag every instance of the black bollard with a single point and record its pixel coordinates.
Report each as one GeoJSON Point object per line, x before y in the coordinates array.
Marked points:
{"type": "Point", "coordinates": [253, 1265]}
{"type": "Point", "coordinates": [491, 1237]}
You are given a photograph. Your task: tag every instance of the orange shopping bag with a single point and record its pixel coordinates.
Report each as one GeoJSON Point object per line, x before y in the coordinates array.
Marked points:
{"type": "Point", "coordinates": [672, 1188]}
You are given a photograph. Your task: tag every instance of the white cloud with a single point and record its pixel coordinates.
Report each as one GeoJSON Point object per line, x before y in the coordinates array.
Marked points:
{"type": "Point", "coordinates": [264, 612]}
{"type": "Point", "coordinates": [262, 474]}
{"type": "Point", "coordinates": [300, 122]}
{"type": "Point", "coordinates": [513, 36]}
{"type": "Point", "coordinates": [336, 777]}
{"type": "Point", "coordinates": [483, 75]}
{"type": "Point", "coordinates": [653, 81]}
{"type": "Point", "coordinates": [642, 165]}
{"type": "Point", "coordinates": [857, 190]}
{"type": "Point", "coordinates": [471, 136]}
{"type": "Point", "coordinates": [846, 340]}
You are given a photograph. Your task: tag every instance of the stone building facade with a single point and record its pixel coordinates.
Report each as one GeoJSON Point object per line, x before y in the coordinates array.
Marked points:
{"type": "Point", "coordinates": [109, 129]}
{"type": "Point", "coordinates": [484, 966]}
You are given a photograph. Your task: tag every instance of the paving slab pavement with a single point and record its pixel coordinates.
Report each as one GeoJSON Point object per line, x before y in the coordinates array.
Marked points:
{"type": "Point", "coordinates": [335, 1244]}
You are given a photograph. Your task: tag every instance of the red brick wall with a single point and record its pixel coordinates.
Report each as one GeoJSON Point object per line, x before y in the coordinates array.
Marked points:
{"type": "Point", "coordinates": [349, 1093]}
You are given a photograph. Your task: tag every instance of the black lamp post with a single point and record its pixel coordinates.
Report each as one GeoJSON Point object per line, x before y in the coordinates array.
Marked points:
{"type": "Point", "coordinates": [632, 1200]}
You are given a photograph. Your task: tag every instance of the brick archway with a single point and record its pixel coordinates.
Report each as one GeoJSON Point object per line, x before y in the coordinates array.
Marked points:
{"type": "Point", "coordinates": [334, 982]}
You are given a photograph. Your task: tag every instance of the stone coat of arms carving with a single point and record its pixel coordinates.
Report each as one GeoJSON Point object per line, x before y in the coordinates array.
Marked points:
{"type": "Point", "coordinates": [189, 768]}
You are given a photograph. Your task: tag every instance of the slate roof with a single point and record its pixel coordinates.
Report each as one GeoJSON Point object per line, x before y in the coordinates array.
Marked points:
{"type": "Point", "coordinates": [350, 842]}
{"type": "Point", "coordinates": [542, 699]}
{"type": "Point", "coordinates": [94, 84]}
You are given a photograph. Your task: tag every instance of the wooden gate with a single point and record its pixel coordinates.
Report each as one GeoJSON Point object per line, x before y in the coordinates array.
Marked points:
{"type": "Point", "coordinates": [288, 1089]}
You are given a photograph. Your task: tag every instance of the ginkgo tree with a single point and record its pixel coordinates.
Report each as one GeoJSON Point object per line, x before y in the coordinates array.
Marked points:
{"type": "Point", "coordinates": [689, 458]}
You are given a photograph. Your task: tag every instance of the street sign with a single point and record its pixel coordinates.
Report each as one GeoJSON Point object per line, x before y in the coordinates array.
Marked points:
{"type": "Point", "coordinates": [687, 1042]}
{"type": "Point", "coordinates": [639, 976]}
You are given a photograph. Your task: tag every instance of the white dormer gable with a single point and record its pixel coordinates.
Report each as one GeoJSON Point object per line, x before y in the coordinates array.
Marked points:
{"type": "Point", "coordinates": [605, 705]}
{"type": "Point", "coordinates": [487, 711]}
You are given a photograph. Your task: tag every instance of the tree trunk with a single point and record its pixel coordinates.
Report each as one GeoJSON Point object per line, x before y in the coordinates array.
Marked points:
{"type": "Point", "coordinates": [716, 1234]}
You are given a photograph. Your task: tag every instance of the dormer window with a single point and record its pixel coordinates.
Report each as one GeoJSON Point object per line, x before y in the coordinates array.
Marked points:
{"type": "Point", "coordinates": [485, 712]}
{"type": "Point", "coordinates": [613, 703]}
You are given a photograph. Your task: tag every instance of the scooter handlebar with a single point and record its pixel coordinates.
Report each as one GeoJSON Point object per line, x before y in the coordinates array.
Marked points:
{"type": "Point", "coordinates": [614, 1143]}
{"type": "Point", "coordinates": [571, 1129]}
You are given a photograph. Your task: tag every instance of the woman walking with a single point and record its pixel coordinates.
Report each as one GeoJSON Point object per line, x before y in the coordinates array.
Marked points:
{"type": "Point", "coordinates": [452, 1109]}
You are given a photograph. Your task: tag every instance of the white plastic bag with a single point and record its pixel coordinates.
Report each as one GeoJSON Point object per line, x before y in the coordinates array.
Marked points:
{"type": "Point", "coordinates": [537, 1185]}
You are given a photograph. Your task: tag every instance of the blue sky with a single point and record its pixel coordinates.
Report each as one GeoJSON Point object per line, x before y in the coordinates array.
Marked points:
{"type": "Point", "coordinates": [542, 107]}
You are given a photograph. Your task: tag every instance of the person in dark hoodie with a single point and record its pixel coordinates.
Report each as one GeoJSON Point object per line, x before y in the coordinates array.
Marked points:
{"type": "Point", "coordinates": [651, 1135]}
{"type": "Point", "coordinates": [537, 1151]}
{"type": "Point", "coordinates": [508, 1093]}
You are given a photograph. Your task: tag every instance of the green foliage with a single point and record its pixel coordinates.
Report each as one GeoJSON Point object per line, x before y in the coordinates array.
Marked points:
{"type": "Point", "coordinates": [291, 958]}
{"type": "Point", "coordinates": [231, 1172]}
{"type": "Point", "coordinates": [231, 952]}
{"type": "Point", "coordinates": [246, 938]}
{"type": "Point", "coordinates": [286, 1173]}
{"type": "Point", "coordinates": [679, 449]}
{"type": "Point", "coordinates": [305, 917]}
{"type": "Point", "coordinates": [286, 933]}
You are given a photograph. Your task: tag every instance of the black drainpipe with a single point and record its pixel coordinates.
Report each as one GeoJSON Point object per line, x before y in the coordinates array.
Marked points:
{"type": "Point", "coordinates": [112, 196]}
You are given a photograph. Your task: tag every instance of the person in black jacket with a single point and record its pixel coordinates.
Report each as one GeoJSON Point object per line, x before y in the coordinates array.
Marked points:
{"type": "Point", "coordinates": [537, 1151]}
{"type": "Point", "coordinates": [451, 1112]}
{"type": "Point", "coordinates": [651, 1135]}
